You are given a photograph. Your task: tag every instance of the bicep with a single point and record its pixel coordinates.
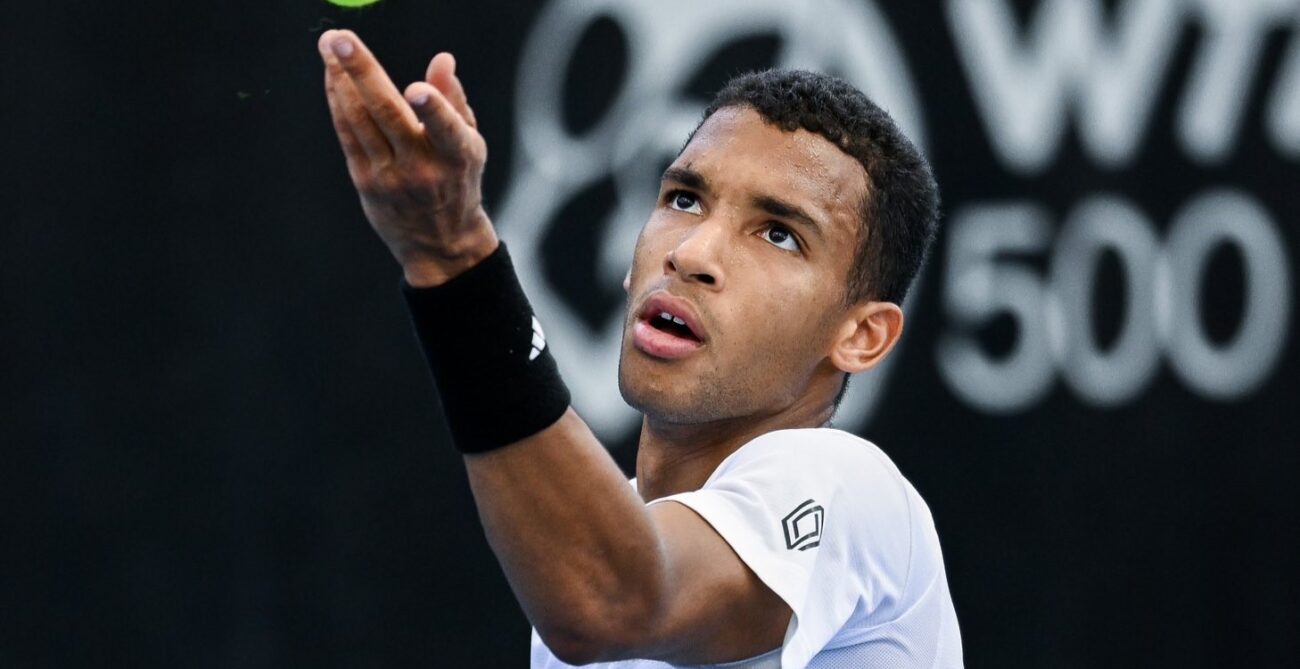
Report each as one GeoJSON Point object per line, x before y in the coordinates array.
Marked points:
{"type": "Point", "coordinates": [717, 609]}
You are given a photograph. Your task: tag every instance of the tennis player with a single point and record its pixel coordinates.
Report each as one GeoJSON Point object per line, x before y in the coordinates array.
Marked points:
{"type": "Point", "coordinates": [771, 267]}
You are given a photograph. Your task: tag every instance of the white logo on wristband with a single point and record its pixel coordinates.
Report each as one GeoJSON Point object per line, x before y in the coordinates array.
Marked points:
{"type": "Point", "coordinates": [539, 340]}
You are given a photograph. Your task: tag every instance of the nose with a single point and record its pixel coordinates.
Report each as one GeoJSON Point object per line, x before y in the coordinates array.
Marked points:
{"type": "Point", "coordinates": [696, 259]}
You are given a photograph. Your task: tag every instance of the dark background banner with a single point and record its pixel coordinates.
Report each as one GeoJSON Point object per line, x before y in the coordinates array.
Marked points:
{"type": "Point", "coordinates": [221, 447]}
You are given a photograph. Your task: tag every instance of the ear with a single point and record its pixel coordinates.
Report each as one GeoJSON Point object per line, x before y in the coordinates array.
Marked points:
{"type": "Point", "coordinates": [627, 280]}
{"type": "Point", "coordinates": [866, 336]}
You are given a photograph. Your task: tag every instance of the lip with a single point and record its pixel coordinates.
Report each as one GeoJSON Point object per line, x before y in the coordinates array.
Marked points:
{"type": "Point", "coordinates": [661, 344]}
{"type": "Point", "coordinates": [661, 301]}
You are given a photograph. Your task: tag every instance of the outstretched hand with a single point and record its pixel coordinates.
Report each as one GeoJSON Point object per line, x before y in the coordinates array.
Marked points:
{"type": "Point", "coordinates": [416, 159]}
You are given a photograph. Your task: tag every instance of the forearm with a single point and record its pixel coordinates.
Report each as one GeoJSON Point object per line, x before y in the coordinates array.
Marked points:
{"type": "Point", "coordinates": [599, 575]}
{"type": "Point", "coordinates": [573, 537]}
{"type": "Point", "coordinates": [575, 540]}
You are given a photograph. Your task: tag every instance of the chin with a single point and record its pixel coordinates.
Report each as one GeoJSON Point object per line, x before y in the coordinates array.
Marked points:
{"type": "Point", "coordinates": [657, 398]}
{"type": "Point", "coordinates": [668, 397]}
{"type": "Point", "coordinates": [668, 410]}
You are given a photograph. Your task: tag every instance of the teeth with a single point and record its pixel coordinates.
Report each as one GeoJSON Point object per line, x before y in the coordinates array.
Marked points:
{"type": "Point", "coordinates": [667, 317]}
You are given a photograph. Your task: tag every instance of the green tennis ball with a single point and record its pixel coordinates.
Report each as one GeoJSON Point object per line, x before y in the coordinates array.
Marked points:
{"type": "Point", "coordinates": [352, 3]}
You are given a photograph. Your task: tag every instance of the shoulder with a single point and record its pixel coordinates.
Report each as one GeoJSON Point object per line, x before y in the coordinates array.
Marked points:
{"type": "Point", "coordinates": [828, 455]}
{"type": "Point", "coordinates": [794, 470]}
{"type": "Point", "coordinates": [827, 520]}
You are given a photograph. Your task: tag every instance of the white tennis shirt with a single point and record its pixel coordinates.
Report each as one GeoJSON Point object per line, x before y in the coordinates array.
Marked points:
{"type": "Point", "coordinates": [826, 521]}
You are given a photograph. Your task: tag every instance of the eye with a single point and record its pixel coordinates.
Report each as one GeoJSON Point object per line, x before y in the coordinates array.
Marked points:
{"type": "Point", "coordinates": [781, 237]}
{"type": "Point", "coordinates": [684, 201]}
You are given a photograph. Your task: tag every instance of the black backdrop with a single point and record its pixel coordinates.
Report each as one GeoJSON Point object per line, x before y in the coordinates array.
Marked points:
{"type": "Point", "coordinates": [221, 448]}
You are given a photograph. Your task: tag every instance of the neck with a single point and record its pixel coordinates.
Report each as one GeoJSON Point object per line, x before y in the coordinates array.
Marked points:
{"type": "Point", "coordinates": [680, 457]}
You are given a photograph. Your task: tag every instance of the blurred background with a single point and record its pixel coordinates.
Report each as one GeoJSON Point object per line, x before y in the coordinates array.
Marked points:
{"type": "Point", "coordinates": [221, 447]}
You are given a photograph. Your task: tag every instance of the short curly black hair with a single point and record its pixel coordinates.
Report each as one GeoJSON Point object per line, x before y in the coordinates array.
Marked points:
{"type": "Point", "coordinates": [901, 209]}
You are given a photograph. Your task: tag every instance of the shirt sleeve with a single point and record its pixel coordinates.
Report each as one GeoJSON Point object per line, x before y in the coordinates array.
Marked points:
{"type": "Point", "coordinates": [823, 518]}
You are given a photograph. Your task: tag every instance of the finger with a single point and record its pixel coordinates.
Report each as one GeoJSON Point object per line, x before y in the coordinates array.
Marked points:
{"type": "Point", "coordinates": [442, 75]}
{"type": "Point", "coordinates": [352, 148]}
{"type": "Point", "coordinates": [391, 114]}
{"type": "Point", "coordinates": [444, 127]}
{"type": "Point", "coordinates": [353, 151]}
{"type": "Point", "coordinates": [374, 144]}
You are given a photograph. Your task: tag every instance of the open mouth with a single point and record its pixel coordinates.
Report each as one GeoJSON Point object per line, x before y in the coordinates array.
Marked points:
{"type": "Point", "coordinates": [668, 328]}
{"type": "Point", "coordinates": [673, 325]}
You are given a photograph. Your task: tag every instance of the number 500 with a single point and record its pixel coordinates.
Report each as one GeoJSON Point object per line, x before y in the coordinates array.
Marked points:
{"type": "Point", "coordinates": [1053, 314]}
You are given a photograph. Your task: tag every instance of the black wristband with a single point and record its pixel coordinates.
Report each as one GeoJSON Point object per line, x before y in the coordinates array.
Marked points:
{"type": "Point", "coordinates": [495, 375]}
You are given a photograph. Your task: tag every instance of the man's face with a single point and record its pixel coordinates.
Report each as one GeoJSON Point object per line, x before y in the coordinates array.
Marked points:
{"type": "Point", "coordinates": [749, 244]}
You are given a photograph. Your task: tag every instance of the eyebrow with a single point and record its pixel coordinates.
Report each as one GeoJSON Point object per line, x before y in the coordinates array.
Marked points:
{"type": "Point", "coordinates": [782, 209]}
{"type": "Point", "coordinates": [686, 177]}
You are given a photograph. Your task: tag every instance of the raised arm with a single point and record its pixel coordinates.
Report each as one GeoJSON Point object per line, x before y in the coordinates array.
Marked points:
{"type": "Point", "coordinates": [600, 575]}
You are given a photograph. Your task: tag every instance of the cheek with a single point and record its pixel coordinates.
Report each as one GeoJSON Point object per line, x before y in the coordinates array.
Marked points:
{"type": "Point", "coordinates": [651, 247]}
{"type": "Point", "coordinates": [782, 317]}
{"type": "Point", "coordinates": [806, 312]}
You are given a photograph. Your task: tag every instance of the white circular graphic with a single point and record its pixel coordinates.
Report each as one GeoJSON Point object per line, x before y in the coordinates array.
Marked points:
{"type": "Point", "coordinates": [649, 118]}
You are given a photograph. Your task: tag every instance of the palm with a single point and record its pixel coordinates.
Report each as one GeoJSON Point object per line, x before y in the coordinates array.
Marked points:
{"type": "Point", "coordinates": [416, 159]}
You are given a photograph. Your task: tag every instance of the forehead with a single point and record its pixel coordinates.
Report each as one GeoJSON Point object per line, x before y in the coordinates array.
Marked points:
{"type": "Point", "coordinates": [736, 149]}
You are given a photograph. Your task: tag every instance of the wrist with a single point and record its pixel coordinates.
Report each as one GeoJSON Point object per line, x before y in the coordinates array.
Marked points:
{"type": "Point", "coordinates": [428, 268]}
{"type": "Point", "coordinates": [496, 378]}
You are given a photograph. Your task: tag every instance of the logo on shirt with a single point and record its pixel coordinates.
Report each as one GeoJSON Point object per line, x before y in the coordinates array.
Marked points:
{"type": "Point", "coordinates": [803, 526]}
